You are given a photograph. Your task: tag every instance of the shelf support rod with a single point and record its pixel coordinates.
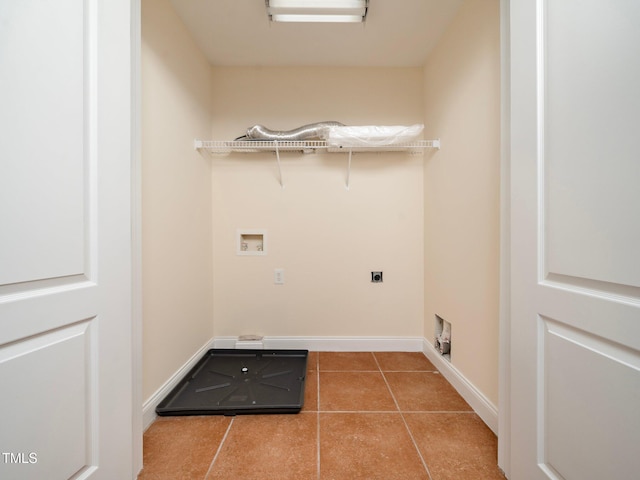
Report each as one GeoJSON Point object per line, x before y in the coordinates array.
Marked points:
{"type": "Point", "coordinates": [275, 143]}
{"type": "Point", "coordinates": [349, 169]}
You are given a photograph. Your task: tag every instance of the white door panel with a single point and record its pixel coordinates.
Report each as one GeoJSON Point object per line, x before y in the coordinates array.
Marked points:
{"type": "Point", "coordinates": [592, 311]}
{"type": "Point", "coordinates": [43, 102]}
{"type": "Point", "coordinates": [65, 240]}
{"type": "Point", "coordinates": [589, 392]}
{"type": "Point", "coordinates": [575, 231]}
{"type": "Point", "coordinates": [590, 127]}
{"type": "Point", "coordinates": [48, 309]}
{"type": "Point", "coordinates": [49, 383]}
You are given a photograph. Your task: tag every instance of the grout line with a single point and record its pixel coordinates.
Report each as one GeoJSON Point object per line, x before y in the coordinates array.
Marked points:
{"type": "Point", "coordinates": [387, 384]}
{"type": "Point", "coordinates": [318, 415]}
{"type": "Point", "coordinates": [376, 371]}
{"type": "Point", "coordinates": [360, 411]}
{"type": "Point", "coordinates": [406, 426]}
{"type": "Point", "coordinates": [215, 457]}
{"type": "Point", "coordinates": [424, 463]}
{"type": "Point", "coordinates": [350, 371]}
{"type": "Point", "coordinates": [440, 412]}
{"type": "Point", "coordinates": [410, 371]}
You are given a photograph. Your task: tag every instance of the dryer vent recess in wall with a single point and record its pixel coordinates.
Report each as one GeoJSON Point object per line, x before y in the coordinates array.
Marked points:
{"type": "Point", "coordinates": [442, 336]}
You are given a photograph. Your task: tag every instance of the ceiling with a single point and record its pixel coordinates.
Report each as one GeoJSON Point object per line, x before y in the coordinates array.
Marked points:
{"type": "Point", "coordinates": [397, 33]}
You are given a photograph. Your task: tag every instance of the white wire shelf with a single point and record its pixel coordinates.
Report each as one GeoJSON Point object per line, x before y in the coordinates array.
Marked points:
{"type": "Point", "coordinates": [222, 147]}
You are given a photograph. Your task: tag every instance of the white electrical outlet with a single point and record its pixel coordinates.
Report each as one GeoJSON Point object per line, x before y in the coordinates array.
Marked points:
{"type": "Point", "coordinates": [278, 276]}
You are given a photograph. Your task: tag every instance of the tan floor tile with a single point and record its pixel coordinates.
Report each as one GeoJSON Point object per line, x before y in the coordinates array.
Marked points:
{"type": "Point", "coordinates": [455, 446]}
{"type": "Point", "coordinates": [312, 362]}
{"type": "Point", "coordinates": [367, 446]}
{"type": "Point", "coordinates": [181, 447]}
{"type": "Point", "coordinates": [424, 391]}
{"type": "Point", "coordinates": [403, 361]}
{"type": "Point", "coordinates": [311, 392]}
{"type": "Point", "coordinates": [354, 391]}
{"type": "Point", "coordinates": [260, 447]}
{"type": "Point", "coordinates": [359, 444]}
{"type": "Point", "coordinates": [269, 447]}
{"type": "Point", "coordinates": [348, 362]}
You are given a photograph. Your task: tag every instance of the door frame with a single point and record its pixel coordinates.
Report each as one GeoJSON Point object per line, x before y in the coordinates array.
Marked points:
{"type": "Point", "coordinates": [136, 234]}
{"type": "Point", "coordinates": [504, 402]}
{"type": "Point", "coordinates": [504, 362]}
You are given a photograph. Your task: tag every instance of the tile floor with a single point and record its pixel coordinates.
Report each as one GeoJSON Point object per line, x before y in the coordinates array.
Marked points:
{"type": "Point", "coordinates": [367, 415]}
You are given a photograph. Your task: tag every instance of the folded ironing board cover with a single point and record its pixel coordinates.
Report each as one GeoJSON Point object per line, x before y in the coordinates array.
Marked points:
{"type": "Point", "coordinates": [372, 135]}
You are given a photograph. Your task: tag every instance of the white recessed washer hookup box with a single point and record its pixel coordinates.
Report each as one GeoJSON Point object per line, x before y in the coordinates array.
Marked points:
{"type": "Point", "coordinates": [251, 242]}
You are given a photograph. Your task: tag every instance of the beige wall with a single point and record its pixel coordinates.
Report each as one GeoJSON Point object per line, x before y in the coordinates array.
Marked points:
{"type": "Point", "coordinates": [176, 196]}
{"type": "Point", "coordinates": [462, 211]}
{"type": "Point", "coordinates": [326, 238]}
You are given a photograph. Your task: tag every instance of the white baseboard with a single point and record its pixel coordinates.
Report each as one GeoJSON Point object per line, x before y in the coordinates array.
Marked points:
{"type": "Point", "coordinates": [149, 407]}
{"type": "Point", "coordinates": [334, 344]}
{"type": "Point", "coordinates": [486, 410]}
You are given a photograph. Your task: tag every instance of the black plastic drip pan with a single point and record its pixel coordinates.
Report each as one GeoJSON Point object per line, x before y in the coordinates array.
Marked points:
{"type": "Point", "coordinates": [235, 382]}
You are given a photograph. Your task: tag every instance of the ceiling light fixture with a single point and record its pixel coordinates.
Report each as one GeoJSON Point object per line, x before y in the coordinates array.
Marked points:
{"type": "Point", "coordinates": [340, 11]}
